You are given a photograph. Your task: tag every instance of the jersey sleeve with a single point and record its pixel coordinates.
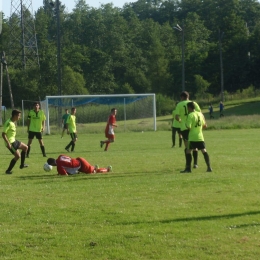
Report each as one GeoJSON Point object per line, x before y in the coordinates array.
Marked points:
{"type": "Point", "coordinates": [197, 107]}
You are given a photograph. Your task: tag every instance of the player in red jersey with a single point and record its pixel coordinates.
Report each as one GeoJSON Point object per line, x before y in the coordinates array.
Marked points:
{"type": "Point", "coordinates": [67, 165]}
{"type": "Point", "coordinates": [109, 131]}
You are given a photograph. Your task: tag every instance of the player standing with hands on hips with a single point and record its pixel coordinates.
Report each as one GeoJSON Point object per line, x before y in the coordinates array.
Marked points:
{"type": "Point", "coordinates": [36, 125]}
{"type": "Point", "coordinates": [8, 134]}
{"type": "Point", "coordinates": [109, 131]}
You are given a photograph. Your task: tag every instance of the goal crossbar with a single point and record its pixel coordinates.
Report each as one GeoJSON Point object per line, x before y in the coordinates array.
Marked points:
{"type": "Point", "coordinates": [110, 99]}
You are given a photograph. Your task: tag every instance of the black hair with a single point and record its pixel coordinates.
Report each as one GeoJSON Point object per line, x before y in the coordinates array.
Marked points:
{"type": "Point", "coordinates": [16, 112]}
{"type": "Point", "coordinates": [185, 94]}
{"type": "Point", "coordinates": [50, 161]}
{"type": "Point", "coordinates": [191, 105]}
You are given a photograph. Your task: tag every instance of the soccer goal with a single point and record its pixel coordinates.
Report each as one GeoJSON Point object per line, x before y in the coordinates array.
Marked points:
{"type": "Point", "coordinates": [135, 112]}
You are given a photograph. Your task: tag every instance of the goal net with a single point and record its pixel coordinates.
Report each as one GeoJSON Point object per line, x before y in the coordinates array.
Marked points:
{"type": "Point", "coordinates": [135, 112]}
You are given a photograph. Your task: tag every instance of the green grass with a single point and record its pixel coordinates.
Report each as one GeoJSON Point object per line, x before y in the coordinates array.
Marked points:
{"type": "Point", "coordinates": [144, 209]}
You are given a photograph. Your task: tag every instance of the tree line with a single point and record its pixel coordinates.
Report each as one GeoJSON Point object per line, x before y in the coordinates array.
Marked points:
{"type": "Point", "coordinates": [135, 49]}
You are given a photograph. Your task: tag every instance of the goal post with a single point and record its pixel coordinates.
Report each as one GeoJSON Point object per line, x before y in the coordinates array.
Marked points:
{"type": "Point", "coordinates": [135, 111]}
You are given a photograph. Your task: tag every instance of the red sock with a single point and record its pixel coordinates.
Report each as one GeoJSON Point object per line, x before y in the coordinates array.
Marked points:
{"type": "Point", "coordinates": [107, 144]}
{"type": "Point", "coordinates": [102, 170]}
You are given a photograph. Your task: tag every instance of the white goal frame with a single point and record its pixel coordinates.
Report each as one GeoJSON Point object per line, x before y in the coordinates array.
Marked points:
{"type": "Point", "coordinates": [46, 104]}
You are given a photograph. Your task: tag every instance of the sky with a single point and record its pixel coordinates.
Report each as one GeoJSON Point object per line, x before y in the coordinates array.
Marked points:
{"type": "Point", "coordinates": [5, 5]}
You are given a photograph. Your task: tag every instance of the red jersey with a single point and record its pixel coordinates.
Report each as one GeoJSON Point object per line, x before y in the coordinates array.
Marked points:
{"type": "Point", "coordinates": [66, 164]}
{"type": "Point", "coordinates": [109, 128]}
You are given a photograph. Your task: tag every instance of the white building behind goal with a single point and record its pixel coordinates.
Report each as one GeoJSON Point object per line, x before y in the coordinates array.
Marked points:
{"type": "Point", "coordinates": [136, 112]}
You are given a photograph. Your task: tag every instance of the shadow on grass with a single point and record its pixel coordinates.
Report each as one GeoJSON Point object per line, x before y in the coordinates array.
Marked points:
{"type": "Point", "coordinates": [203, 218]}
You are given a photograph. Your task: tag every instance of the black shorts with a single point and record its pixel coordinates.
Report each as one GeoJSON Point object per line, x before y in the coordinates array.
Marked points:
{"type": "Point", "coordinates": [196, 145]}
{"type": "Point", "coordinates": [31, 135]}
{"type": "Point", "coordinates": [15, 146]}
{"type": "Point", "coordinates": [185, 134]}
{"type": "Point", "coordinates": [73, 136]}
{"type": "Point", "coordinates": [176, 129]}
{"type": "Point", "coordinates": [65, 126]}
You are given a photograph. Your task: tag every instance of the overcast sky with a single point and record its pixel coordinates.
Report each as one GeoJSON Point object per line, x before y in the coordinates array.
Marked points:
{"type": "Point", "coordinates": [70, 4]}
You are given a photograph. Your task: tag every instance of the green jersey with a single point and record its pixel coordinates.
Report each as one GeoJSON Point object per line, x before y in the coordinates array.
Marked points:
{"type": "Point", "coordinates": [64, 118]}
{"type": "Point", "coordinates": [195, 122]}
{"type": "Point", "coordinates": [71, 121]}
{"type": "Point", "coordinates": [36, 119]}
{"type": "Point", "coordinates": [182, 111]}
{"type": "Point", "coordinates": [10, 130]}
{"type": "Point", "coordinates": [175, 123]}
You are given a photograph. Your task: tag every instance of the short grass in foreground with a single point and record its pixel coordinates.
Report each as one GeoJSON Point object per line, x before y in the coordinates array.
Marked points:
{"type": "Point", "coordinates": [145, 209]}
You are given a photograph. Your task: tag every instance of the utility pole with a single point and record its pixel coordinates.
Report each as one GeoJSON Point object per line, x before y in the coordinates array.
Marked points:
{"type": "Point", "coordinates": [3, 62]}
{"type": "Point", "coordinates": [221, 34]}
{"type": "Point", "coordinates": [181, 29]}
{"type": "Point", "coordinates": [23, 47]}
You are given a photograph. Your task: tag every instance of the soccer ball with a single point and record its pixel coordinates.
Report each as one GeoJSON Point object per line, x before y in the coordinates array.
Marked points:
{"type": "Point", "coordinates": [47, 167]}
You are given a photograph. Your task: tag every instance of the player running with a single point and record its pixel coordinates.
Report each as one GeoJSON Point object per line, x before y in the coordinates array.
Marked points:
{"type": "Point", "coordinates": [8, 134]}
{"type": "Point", "coordinates": [195, 122]}
{"type": "Point", "coordinates": [68, 166]}
{"type": "Point", "coordinates": [109, 131]}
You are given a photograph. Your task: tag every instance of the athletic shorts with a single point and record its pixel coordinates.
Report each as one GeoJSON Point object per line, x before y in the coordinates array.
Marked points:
{"type": "Point", "coordinates": [15, 146]}
{"type": "Point", "coordinates": [73, 136]}
{"type": "Point", "coordinates": [185, 134]}
{"type": "Point", "coordinates": [196, 145]}
{"type": "Point", "coordinates": [31, 135]}
{"type": "Point", "coordinates": [85, 166]}
{"type": "Point", "coordinates": [65, 126]}
{"type": "Point", "coordinates": [176, 129]}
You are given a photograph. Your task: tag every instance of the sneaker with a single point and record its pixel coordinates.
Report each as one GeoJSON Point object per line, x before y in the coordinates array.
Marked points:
{"type": "Point", "coordinates": [186, 171]}
{"type": "Point", "coordinates": [67, 149]}
{"type": "Point", "coordinates": [24, 166]}
{"type": "Point", "coordinates": [209, 170]}
{"type": "Point", "coordinates": [8, 172]}
{"type": "Point", "coordinates": [101, 144]}
{"type": "Point", "coordinates": [44, 155]}
{"type": "Point", "coordinates": [195, 166]}
{"type": "Point", "coordinates": [109, 168]}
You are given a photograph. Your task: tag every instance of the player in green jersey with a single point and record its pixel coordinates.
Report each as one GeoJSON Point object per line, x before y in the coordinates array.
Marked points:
{"type": "Point", "coordinates": [181, 116]}
{"type": "Point", "coordinates": [36, 124]}
{"type": "Point", "coordinates": [8, 134]}
{"type": "Point", "coordinates": [63, 122]}
{"type": "Point", "coordinates": [176, 128]}
{"type": "Point", "coordinates": [195, 123]}
{"type": "Point", "coordinates": [71, 124]}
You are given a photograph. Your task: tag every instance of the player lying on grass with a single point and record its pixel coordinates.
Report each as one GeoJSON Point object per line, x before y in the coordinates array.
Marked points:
{"type": "Point", "coordinates": [67, 165]}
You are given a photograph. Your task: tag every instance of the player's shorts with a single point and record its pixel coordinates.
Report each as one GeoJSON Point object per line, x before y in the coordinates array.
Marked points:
{"type": "Point", "coordinates": [15, 146]}
{"type": "Point", "coordinates": [73, 136]}
{"type": "Point", "coordinates": [176, 129]}
{"type": "Point", "coordinates": [85, 166]}
{"type": "Point", "coordinates": [197, 145]}
{"type": "Point", "coordinates": [65, 126]}
{"type": "Point", "coordinates": [110, 137]}
{"type": "Point", "coordinates": [185, 134]}
{"type": "Point", "coordinates": [31, 135]}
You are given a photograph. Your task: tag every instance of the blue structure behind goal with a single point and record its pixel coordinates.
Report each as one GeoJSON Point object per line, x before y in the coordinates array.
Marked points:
{"type": "Point", "coordinates": [95, 108]}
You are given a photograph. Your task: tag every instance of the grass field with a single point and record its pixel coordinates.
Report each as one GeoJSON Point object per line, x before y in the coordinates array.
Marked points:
{"type": "Point", "coordinates": [144, 209]}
